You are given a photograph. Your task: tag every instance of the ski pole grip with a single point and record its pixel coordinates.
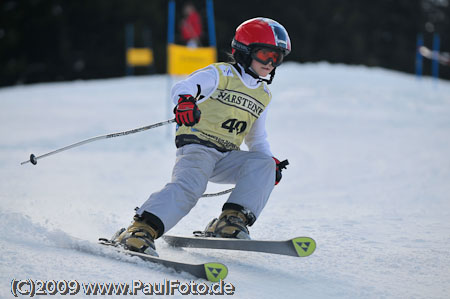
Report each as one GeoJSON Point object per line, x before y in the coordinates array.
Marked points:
{"type": "Point", "coordinates": [283, 164]}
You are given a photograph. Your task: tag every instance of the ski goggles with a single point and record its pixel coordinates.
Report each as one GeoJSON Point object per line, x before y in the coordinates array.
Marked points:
{"type": "Point", "coordinates": [265, 55]}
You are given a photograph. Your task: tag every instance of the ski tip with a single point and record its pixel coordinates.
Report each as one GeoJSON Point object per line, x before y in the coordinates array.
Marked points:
{"type": "Point", "coordinates": [304, 246]}
{"type": "Point", "coordinates": [215, 271]}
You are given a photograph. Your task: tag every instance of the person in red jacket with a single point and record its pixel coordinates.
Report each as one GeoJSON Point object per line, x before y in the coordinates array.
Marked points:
{"type": "Point", "coordinates": [191, 26]}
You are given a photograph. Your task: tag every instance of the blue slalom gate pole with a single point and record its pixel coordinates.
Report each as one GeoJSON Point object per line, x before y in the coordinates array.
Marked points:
{"type": "Point", "coordinates": [170, 40]}
{"type": "Point", "coordinates": [129, 43]}
{"type": "Point", "coordinates": [211, 23]}
{"type": "Point", "coordinates": [419, 57]}
{"type": "Point", "coordinates": [171, 23]}
{"type": "Point", "coordinates": [435, 61]}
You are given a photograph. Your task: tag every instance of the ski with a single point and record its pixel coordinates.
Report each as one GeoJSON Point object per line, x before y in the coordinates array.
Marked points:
{"type": "Point", "coordinates": [210, 271]}
{"type": "Point", "coordinates": [298, 247]}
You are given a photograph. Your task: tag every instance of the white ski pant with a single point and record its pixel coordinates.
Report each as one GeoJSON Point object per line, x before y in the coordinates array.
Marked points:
{"type": "Point", "coordinates": [253, 174]}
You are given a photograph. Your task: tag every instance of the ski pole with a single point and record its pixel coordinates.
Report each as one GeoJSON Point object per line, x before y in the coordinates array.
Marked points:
{"type": "Point", "coordinates": [218, 193]}
{"type": "Point", "coordinates": [33, 159]}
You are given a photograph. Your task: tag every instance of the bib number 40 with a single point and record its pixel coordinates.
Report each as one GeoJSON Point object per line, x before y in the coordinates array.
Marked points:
{"type": "Point", "coordinates": [233, 124]}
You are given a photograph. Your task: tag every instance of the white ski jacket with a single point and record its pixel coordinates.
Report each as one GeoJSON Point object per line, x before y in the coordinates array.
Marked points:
{"type": "Point", "coordinates": [208, 80]}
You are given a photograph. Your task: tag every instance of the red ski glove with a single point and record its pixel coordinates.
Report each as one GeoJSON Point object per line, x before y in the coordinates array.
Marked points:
{"type": "Point", "coordinates": [186, 112]}
{"type": "Point", "coordinates": [280, 166]}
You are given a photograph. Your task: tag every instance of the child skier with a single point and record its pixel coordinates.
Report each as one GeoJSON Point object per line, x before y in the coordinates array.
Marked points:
{"type": "Point", "coordinates": [217, 108]}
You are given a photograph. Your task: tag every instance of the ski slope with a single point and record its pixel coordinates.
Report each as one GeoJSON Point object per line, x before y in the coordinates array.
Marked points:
{"type": "Point", "coordinates": [369, 180]}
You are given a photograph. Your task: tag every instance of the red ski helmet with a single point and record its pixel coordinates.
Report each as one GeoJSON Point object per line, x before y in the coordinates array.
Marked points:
{"type": "Point", "coordinates": [261, 32]}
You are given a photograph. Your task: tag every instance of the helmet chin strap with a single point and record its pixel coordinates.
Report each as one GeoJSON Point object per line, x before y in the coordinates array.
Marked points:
{"type": "Point", "coordinates": [252, 73]}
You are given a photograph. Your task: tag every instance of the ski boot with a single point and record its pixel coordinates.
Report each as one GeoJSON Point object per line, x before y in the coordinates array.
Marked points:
{"type": "Point", "coordinates": [232, 223]}
{"type": "Point", "coordinates": [139, 237]}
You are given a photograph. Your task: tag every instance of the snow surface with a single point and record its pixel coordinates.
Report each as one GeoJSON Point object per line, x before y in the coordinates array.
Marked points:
{"type": "Point", "coordinates": [369, 180]}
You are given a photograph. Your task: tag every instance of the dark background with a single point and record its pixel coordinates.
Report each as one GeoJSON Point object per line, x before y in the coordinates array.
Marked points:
{"type": "Point", "coordinates": [55, 40]}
